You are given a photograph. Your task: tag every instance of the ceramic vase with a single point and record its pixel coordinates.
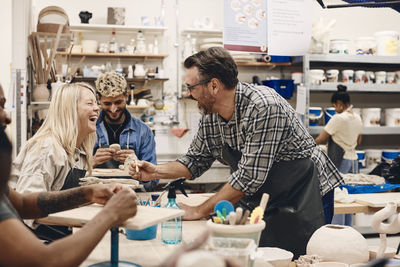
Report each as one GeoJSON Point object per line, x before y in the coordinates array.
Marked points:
{"type": "Point", "coordinates": [41, 93]}
{"type": "Point", "coordinates": [338, 243]}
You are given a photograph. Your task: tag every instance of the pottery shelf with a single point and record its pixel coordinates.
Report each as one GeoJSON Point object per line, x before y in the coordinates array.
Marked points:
{"type": "Point", "coordinates": [117, 55]}
{"type": "Point", "coordinates": [202, 31]}
{"type": "Point", "coordinates": [349, 59]}
{"type": "Point", "coordinates": [38, 105]}
{"type": "Point", "coordinates": [129, 80]}
{"type": "Point", "coordinates": [262, 64]}
{"type": "Point", "coordinates": [382, 130]}
{"type": "Point", "coordinates": [358, 88]}
{"type": "Point", "coordinates": [137, 109]}
{"type": "Point", "coordinates": [117, 28]}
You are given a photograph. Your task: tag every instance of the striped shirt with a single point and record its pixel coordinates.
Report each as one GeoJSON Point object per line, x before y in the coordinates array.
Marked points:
{"type": "Point", "coordinates": [265, 129]}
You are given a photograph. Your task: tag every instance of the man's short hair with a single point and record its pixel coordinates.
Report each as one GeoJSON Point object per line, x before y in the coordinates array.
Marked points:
{"type": "Point", "coordinates": [215, 62]}
{"type": "Point", "coordinates": [111, 84]}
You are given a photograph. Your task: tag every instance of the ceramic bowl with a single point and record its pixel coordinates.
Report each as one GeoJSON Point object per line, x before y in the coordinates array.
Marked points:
{"type": "Point", "coordinates": [330, 264]}
{"type": "Point", "coordinates": [277, 257]}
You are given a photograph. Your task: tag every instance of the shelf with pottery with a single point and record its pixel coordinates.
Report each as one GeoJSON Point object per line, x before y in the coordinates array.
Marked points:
{"type": "Point", "coordinates": [381, 130]}
{"type": "Point", "coordinates": [38, 105]}
{"type": "Point", "coordinates": [202, 31]}
{"type": "Point", "coordinates": [358, 87]}
{"type": "Point", "coordinates": [120, 28]}
{"type": "Point", "coordinates": [263, 64]}
{"type": "Point", "coordinates": [117, 55]}
{"type": "Point", "coordinates": [137, 109]}
{"type": "Point", "coordinates": [129, 80]}
{"type": "Point", "coordinates": [341, 58]}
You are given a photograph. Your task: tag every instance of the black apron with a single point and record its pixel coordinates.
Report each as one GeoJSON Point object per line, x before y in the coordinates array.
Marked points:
{"type": "Point", "coordinates": [50, 233]}
{"type": "Point", "coordinates": [294, 210]}
{"type": "Point", "coordinates": [335, 152]}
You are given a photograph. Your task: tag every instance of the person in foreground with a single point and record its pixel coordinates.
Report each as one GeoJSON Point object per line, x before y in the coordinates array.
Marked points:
{"type": "Point", "coordinates": [60, 153]}
{"type": "Point", "coordinates": [20, 247]}
{"type": "Point", "coordinates": [256, 132]}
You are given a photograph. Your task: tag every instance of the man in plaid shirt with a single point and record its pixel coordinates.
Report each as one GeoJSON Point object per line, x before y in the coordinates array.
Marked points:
{"type": "Point", "coordinates": [256, 132]}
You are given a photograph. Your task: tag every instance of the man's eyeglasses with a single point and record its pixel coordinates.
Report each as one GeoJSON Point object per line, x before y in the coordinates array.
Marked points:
{"type": "Point", "coordinates": [190, 87]}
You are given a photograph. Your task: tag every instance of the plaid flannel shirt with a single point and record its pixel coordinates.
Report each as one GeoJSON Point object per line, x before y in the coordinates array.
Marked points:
{"type": "Point", "coordinates": [268, 131]}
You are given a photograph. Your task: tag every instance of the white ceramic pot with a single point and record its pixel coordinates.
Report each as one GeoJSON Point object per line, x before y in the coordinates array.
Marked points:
{"type": "Point", "coordinates": [338, 243]}
{"type": "Point", "coordinates": [41, 93]}
{"type": "Point", "coordinates": [276, 256]}
{"type": "Point", "coordinates": [347, 76]}
{"type": "Point", "coordinates": [139, 70]}
{"type": "Point", "coordinates": [380, 77]}
{"type": "Point", "coordinates": [89, 46]}
{"type": "Point", "coordinates": [392, 117]}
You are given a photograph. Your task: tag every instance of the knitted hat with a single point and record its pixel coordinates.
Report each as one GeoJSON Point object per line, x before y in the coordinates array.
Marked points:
{"type": "Point", "coordinates": [111, 84]}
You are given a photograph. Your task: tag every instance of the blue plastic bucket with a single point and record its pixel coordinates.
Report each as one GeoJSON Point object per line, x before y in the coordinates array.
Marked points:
{"type": "Point", "coordinates": [329, 112]}
{"type": "Point", "coordinates": [282, 87]}
{"type": "Point", "coordinates": [389, 155]}
{"type": "Point", "coordinates": [315, 114]}
{"type": "Point", "coordinates": [361, 158]}
{"type": "Point", "coordinates": [144, 234]}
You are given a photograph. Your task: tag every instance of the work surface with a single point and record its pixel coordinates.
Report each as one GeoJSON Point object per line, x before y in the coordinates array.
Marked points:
{"type": "Point", "coordinates": [154, 252]}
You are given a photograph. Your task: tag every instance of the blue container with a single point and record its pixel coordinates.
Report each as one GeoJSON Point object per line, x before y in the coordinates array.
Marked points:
{"type": "Point", "coordinates": [361, 158]}
{"type": "Point", "coordinates": [329, 112]}
{"type": "Point", "coordinates": [315, 114]}
{"type": "Point", "coordinates": [389, 155]}
{"type": "Point", "coordinates": [282, 87]}
{"type": "Point", "coordinates": [144, 234]}
{"type": "Point", "coordinates": [280, 59]}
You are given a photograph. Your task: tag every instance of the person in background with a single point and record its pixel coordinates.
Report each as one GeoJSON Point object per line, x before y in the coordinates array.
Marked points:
{"type": "Point", "coordinates": [343, 134]}
{"type": "Point", "coordinates": [120, 204]}
{"type": "Point", "coordinates": [60, 153]}
{"type": "Point", "coordinates": [256, 132]}
{"type": "Point", "coordinates": [117, 126]}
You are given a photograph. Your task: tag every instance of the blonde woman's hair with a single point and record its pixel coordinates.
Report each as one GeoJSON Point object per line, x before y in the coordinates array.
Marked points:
{"type": "Point", "coordinates": [62, 124]}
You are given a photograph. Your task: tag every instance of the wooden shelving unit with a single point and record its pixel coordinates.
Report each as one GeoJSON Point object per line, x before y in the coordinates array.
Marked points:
{"type": "Point", "coordinates": [116, 55]}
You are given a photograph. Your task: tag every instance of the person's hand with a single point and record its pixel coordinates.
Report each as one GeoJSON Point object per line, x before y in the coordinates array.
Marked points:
{"type": "Point", "coordinates": [100, 193]}
{"type": "Point", "coordinates": [121, 155]}
{"type": "Point", "coordinates": [121, 206]}
{"type": "Point", "coordinates": [102, 155]}
{"type": "Point", "coordinates": [146, 171]}
{"type": "Point", "coordinates": [192, 213]}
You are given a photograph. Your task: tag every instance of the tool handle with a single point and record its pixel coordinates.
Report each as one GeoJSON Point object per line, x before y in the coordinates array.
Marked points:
{"type": "Point", "coordinates": [264, 201]}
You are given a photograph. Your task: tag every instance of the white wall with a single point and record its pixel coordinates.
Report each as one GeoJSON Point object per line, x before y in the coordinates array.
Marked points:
{"type": "Point", "coordinates": [351, 23]}
{"type": "Point", "coordinates": [5, 44]}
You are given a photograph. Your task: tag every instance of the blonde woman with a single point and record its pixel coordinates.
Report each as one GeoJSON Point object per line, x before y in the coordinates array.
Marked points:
{"type": "Point", "coordinates": [60, 152]}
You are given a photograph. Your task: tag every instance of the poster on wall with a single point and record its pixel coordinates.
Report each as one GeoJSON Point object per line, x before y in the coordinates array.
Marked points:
{"type": "Point", "coordinates": [276, 27]}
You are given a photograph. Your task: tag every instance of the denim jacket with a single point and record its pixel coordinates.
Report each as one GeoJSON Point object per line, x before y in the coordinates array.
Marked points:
{"type": "Point", "coordinates": [136, 135]}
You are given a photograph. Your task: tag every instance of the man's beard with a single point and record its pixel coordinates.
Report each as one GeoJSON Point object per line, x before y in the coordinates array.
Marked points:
{"type": "Point", "coordinates": [206, 109]}
{"type": "Point", "coordinates": [114, 120]}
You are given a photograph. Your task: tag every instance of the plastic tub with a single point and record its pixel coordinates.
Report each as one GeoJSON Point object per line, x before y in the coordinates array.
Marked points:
{"type": "Point", "coordinates": [339, 46]}
{"type": "Point", "coordinates": [144, 234]}
{"type": "Point", "coordinates": [389, 155]}
{"type": "Point", "coordinates": [316, 76]}
{"type": "Point", "coordinates": [359, 76]}
{"type": "Point", "coordinates": [252, 231]}
{"type": "Point", "coordinates": [361, 158]}
{"type": "Point", "coordinates": [392, 117]}
{"type": "Point", "coordinates": [240, 249]}
{"type": "Point", "coordinates": [315, 115]}
{"type": "Point", "coordinates": [282, 87]}
{"type": "Point", "coordinates": [373, 157]}
{"type": "Point", "coordinates": [380, 77]}
{"type": "Point", "coordinates": [365, 46]}
{"type": "Point", "coordinates": [329, 112]}
{"type": "Point", "coordinates": [347, 76]}
{"type": "Point", "coordinates": [390, 77]}
{"type": "Point", "coordinates": [332, 76]}
{"type": "Point", "coordinates": [371, 117]}
{"type": "Point", "coordinates": [386, 43]}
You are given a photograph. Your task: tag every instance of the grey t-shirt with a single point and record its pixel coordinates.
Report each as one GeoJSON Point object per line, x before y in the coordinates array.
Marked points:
{"type": "Point", "coordinates": [6, 208]}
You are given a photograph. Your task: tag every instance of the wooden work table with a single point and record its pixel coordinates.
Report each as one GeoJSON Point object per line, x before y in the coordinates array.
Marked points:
{"type": "Point", "coordinates": [154, 252]}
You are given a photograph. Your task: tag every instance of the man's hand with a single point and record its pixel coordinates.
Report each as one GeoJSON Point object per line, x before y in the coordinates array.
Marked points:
{"type": "Point", "coordinates": [147, 170]}
{"type": "Point", "coordinates": [102, 155]}
{"type": "Point", "coordinates": [121, 155]}
{"type": "Point", "coordinates": [101, 193]}
{"type": "Point", "coordinates": [192, 213]}
{"type": "Point", "coordinates": [121, 206]}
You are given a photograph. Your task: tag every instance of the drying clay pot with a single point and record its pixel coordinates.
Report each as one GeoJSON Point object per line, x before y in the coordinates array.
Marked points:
{"type": "Point", "coordinates": [338, 243]}
{"type": "Point", "coordinates": [41, 93]}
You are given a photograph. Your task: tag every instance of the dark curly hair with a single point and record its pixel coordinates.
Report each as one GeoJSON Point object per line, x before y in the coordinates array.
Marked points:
{"type": "Point", "coordinates": [341, 95]}
{"type": "Point", "coordinates": [215, 62]}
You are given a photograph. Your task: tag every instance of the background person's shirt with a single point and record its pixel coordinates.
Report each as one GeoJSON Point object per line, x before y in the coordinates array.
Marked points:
{"type": "Point", "coordinates": [345, 129]}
